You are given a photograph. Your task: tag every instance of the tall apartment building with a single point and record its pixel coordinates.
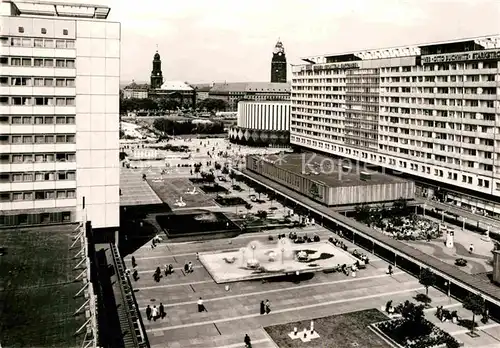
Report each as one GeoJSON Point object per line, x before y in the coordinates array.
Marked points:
{"type": "Point", "coordinates": [59, 114]}
{"type": "Point", "coordinates": [429, 111]}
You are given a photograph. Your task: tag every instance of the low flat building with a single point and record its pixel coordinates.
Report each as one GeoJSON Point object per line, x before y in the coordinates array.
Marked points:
{"type": "Point", "coordinates": [329, 181]}
{"type": "Point", "coordinates": [262, 123]}
{"type": "Point", "coordinates": [136, 91]}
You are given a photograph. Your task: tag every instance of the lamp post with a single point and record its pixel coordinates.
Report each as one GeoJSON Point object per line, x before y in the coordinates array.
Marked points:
{"type": "Point", "coordinates": [442, 216]}
{"type": "Point", "coordinates": [253, 251]}
{"type": "Point", "coordinates": [463, 224]}
{"type": "Point", "coordinates": [282, 256]}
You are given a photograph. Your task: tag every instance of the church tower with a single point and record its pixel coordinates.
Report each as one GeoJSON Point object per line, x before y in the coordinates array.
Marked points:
{"type": "Point", "coordinates": [156, 74]}
{"type": "Point", "coordinates": [278, 64]}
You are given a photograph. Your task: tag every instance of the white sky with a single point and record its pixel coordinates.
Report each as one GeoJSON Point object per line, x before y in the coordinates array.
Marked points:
{"type": "Point", "coordinates": [232, 40]}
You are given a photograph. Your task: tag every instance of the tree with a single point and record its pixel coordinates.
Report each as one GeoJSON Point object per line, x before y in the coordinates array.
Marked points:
{"type": "Point", "coordinates": [475, 304]}
{"type": "Point", "coordinates": [272, 197]}
{"type": "Point", "coordinates": [363, 213]}
{"type": "Point", "coordinates": [213, 104]}
{"type": "Point", "coordinates": [412, 313]}
{"type": "Point", "coordinates": [259, 190]}
{"type": "Point", "coordinates": [400, 206]}
{"type": "Point", "coordinates": [427, 279]}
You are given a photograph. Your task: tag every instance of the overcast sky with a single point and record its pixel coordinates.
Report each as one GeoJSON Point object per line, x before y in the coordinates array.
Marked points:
{"type": "Point", "coordinates": [232, 40]}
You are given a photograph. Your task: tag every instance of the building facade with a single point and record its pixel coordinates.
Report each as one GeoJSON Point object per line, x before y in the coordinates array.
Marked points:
{"type": "Point", "coordinates": [136, 91]}
{"type": "Point", "coordinates": [278, 64]}
{"type": "Point", "coordinates": [59, 114]}
{"type": "Point", "coordinates": [430, 112]}
{"type": "Point", "coordinates": [234, 92]}
{"type": "Point", "coordinates": [262, 124]}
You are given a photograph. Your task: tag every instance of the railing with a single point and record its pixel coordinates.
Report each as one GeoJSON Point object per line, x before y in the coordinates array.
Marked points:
{"type": "Point", "coordinates": [132, 313]}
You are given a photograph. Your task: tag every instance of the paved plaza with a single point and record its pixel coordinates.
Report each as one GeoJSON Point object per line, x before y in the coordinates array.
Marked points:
{"type": "Point", "coordinates": [233, 312]}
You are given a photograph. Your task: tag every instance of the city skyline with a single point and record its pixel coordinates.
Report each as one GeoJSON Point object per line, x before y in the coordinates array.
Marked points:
{"type": "Point", "coordinates": [203, 42]}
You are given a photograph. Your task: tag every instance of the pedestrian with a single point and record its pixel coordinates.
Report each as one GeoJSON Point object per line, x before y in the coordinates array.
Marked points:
{"type": "Point", "coordinates": [135, 275]}
{"type": "Point", "coordinates": [471, 248]}
{"type": "Point", "coordinates": [247, 341]}
{"type": "Point", "coordinates": [197, 256]}
{"type": "Point", "coordinates": [186, 268]}
{"type": "Point", "coordinates": [190, 267]}
{"type": "Point", "coordinates": [262, 308]}
{"type": "Point", "coordinates": [155, 313]}
{"type": "Point", "coordinates": [268, 307]}
{"type": "Point", "coordinates": [389, 270]}
{"type": "Point", "coordinates": [148, 313]}
{"type": "Point", "coordinates": [162, 311]}
{"type": "Point", "coordinates": [133, 262]}
{"type": "Point", "coordinates": [201, 306]}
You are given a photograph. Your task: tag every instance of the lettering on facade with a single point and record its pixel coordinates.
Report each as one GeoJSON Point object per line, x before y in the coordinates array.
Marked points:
{"type": "Point", "coordinates": [332, 66]}
{"type": "Point", "coordinates": [461, 57]}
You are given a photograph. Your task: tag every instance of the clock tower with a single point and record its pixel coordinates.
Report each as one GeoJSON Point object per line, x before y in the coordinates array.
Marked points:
{"type": "Point", "coordinates": [156, 74]}
{"type": "Point", "coordinates": [278, 64]}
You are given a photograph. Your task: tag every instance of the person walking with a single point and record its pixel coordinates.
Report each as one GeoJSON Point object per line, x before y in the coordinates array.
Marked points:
{"type": "Point", "coordinates": [155, 313]}
{"type": "Point", "coordinates": [262, 308]}
{"type": "Point", "coordinates": [133, 262]}
{"type": "Point", "coordinates": [201, 306]}
{"type": "Point", "coordinates": [247, 341]}
{"type": "Point", "coordinates": [148, 313]}
{"type": "Point", "coordinates": [162, 311]}
{"type": "Point", "coordinates": [268, 307]}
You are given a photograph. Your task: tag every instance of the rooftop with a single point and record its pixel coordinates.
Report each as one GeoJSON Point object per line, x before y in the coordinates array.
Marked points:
{"type": "Point", "coordinates": [176, 86]}
{"type": "Point", "coordinates": [483, 42]}
{"type": "Point", "coordinates": [56, 9]}
{"type": "Point", "coordinates": [37, 287]}
{"type": "Point", "coordinates": [328, 171]}
{"type": "Point", "coordinates": [245, 87]}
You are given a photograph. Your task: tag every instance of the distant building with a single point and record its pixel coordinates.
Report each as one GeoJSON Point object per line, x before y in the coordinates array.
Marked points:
{"type": "Point", "coordinates": [176, 90]}
{"type": "Point", "coordinates": [137, 91]}
{"type": "Point", "coordinates": [202, 91]}
{"type": "Point", "coordinates": [262, 123]}
{"type": "Point", "coordinates": [156, 73]}
{"type": "Point", "coordinates": [235, 92]}
{"type": "Point", "coordinates": [278, 64]}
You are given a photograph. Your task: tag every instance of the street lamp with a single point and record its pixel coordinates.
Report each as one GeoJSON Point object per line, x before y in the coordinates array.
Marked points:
{"type": "Point", "coordinates": [282, 256]}
{"type": "Point", "coordinates": [253, 251]}
{"type": "Point", "coordinates": [442, 216]}
{"type": "Point", "coordinates": [463, 225]}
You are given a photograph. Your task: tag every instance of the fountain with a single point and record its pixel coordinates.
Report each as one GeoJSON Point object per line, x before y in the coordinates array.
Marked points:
{"type": "Point", "coordinates": [259, 260]}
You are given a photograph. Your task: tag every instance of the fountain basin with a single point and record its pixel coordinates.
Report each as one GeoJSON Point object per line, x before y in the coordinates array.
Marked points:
{"type": "Point", "coordinates": [223, 272]}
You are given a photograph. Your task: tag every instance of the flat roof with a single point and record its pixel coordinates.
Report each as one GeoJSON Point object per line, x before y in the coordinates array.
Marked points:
{"type": "Point", "coordinates": [329, 171]}
{"type": "Point", "coordinates": [37, 287]}
{"type": "Point", "coordinates": [488, 42]}
{"type": "Point", "coordinates": [58, 9]}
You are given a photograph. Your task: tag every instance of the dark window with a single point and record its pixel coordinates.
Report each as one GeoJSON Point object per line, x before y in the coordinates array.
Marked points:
{"type": "Point", "coordinates": [20, 29]}
{"type": "Point", "coordinates": [23, 218]}
{"type": "Point", "coordinates": [44, 31]}
{"type": "Point", "coordinates": [65, 31]}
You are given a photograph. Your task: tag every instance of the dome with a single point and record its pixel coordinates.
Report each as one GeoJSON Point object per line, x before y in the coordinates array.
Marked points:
{"type": "Point", "coordinates": [156, 56]}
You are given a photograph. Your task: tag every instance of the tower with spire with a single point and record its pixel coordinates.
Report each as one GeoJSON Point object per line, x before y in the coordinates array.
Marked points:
{"type": "Point", "coordinates": [156, 74]}
{"type": "Point", "coordinates": [278, 63]}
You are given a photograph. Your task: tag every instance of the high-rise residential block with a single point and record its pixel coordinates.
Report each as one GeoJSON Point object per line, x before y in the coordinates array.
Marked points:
{"type": "Point", "coordinates": [59, 114]}
{"type": "Point", "coordinates": [429, 111]}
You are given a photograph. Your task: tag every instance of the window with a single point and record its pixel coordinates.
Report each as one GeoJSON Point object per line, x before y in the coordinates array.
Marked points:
{"type": "Point", "coordinates": [61, 194]}
{"type": "Point", "coordinates": [71, 176]}
{"type": "Point", "coordinates": [17, 177]}
{"type": "Point", "coordinates": [70, 138]}
{"type": "Point", "coordinates": [16, 41]}
{"type": "Point", "coordinates": [60, 102]}
{"type": "Point", "coordinates": [28, 196]}
{"type": "Point", "coordinates": [49, 139]}
{"type": "Point", "coordinates": [27, 43]}
{"type": "Point", "coordinates": [43, 31]}
{"type": "Point", "coordinates": [60, 83]}
{"type": "Point", "coordinates": [48, 63]}
{"type": "Point", "coordinates": [26, 61]}
{"type": "Point", "coordinates": [60, 139]}
{"type": "Point", "coordinates": [39, 139]}
{"type": "Point", "coordinates": [20, 30]}
{"type": "Point", "coordinates": [60, 63]}
{"type": "Point", "coordinates": [38, 43]}
{"type": "Point", "coordinates": [70, 120]}
{"type": "Point", "coordinates": [49, 83]}
{"type": "Point", "coordinates": [65, 31]}
{"type": "Point", "coordinates": [48, 43]}
{"type": "Point", "coordinates": [38, 120]}
{"type": "Point", "coordinates": [17, 196]}
{"type": "Point", "coordinates": [60, 44]}
{"type": "Point", "coordinates": [70, 63]}
{"type": "Point", "coordinates": [70, 44]}
{"type": "Point", "coordinates": [38, 62]}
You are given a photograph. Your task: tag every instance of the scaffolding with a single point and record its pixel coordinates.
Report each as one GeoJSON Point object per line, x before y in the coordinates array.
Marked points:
{"type": "Point", "coordinates": [89, 329]}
